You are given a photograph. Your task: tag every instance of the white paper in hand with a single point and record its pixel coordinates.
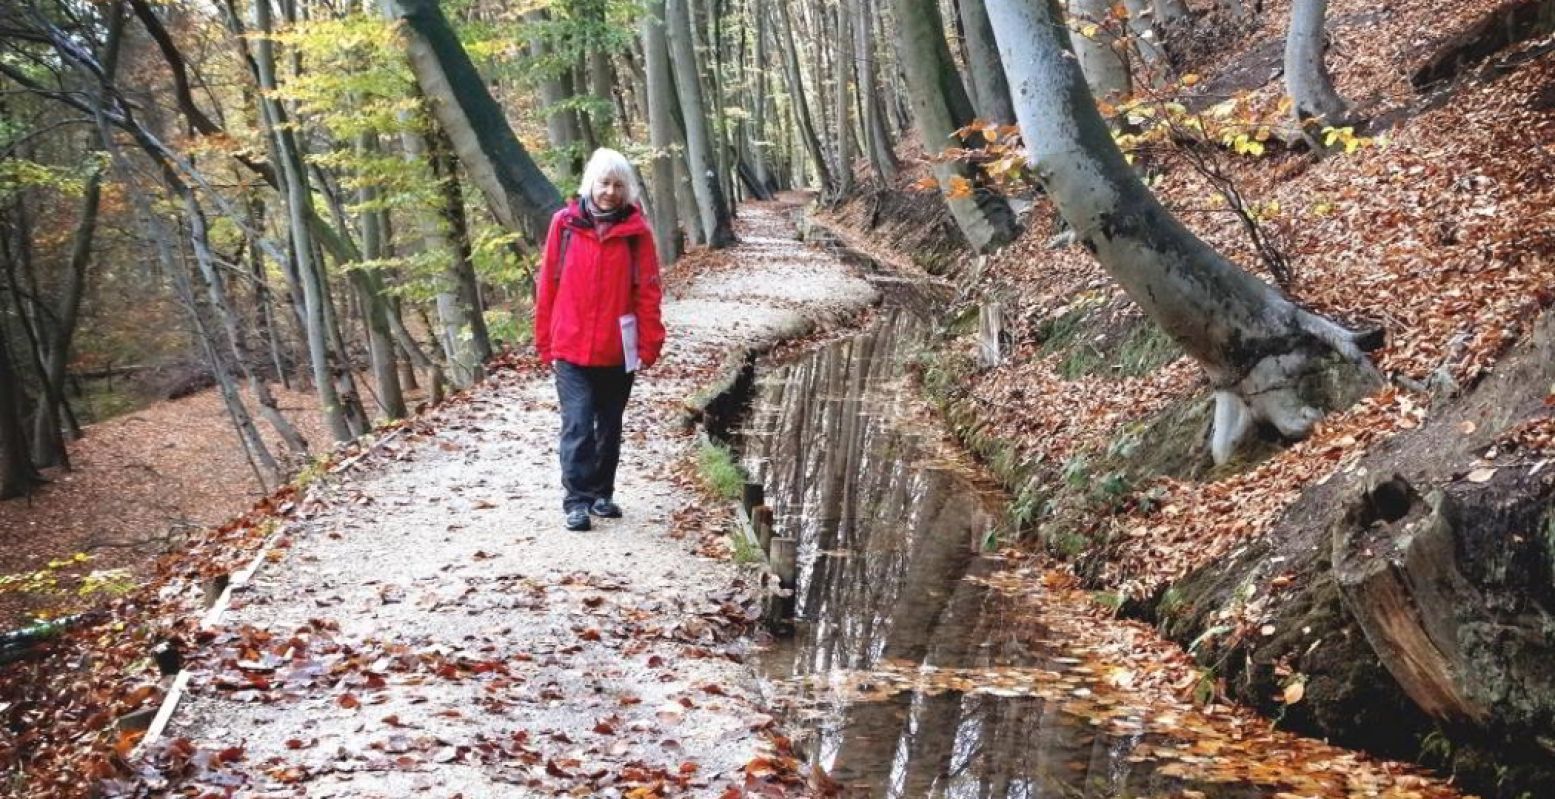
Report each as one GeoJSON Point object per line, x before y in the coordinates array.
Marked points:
{"type": "Point", "coordinates": [629, 341]}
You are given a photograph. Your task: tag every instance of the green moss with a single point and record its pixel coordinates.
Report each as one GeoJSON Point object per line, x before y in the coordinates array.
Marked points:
{"type": "Point", "coordinates": [1146, 349]}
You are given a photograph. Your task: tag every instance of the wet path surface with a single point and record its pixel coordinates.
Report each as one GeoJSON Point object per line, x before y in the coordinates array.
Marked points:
{"type": "Point", "coordinates": [922, 668]}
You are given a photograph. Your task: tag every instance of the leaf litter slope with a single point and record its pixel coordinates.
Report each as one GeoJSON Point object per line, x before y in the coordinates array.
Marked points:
{"type": "Point", "coordinates": [424, 621]}
{"type": "Point", "coordinates": [1442, 235]}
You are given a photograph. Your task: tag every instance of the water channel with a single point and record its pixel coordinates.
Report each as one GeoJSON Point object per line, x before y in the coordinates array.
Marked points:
{"type": "Point", "coordinates": [921, 667]}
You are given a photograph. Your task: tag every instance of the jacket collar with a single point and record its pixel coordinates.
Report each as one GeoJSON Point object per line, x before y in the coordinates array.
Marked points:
{"type": "Point", "coordinates": [632, 225]}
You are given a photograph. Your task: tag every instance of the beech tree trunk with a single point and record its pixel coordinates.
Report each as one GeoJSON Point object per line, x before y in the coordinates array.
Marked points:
{"type": "Point", "coordinates": [783, 35]}
{"type": "Point", "coordinates": [1315, 102]}
{"type": "Point", "coordinates": [940, 107]}
{"type": "Point", "coordinates": [563, 127]}
{"type": "Point", "coordinates": [987, 74]}
{"type": "Point", "coordinates": [1258, 347]}
{"type": "Point", "coordinates": [520, 196]}
{"type": "Point", "coordinates": [706, 184]}
{"type": "Point", "coordinates": [843, 73]}
{"type": "Point", "coordinates": [299, 205]}
{"type": "Point", "coordinates": [661, 131]}
{"type": "Point", "coordinates": [877, 138]}
{"type": "Point", "coordinates": [368, 282]}
{"type": "Point", "coordinates": [1096, 44]}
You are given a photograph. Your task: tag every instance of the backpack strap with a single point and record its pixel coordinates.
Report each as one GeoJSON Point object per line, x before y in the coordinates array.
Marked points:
{"type": "Point", "coordinates": [561, 259]}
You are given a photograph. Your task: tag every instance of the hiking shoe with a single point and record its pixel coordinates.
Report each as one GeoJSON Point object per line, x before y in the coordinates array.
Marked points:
{"type": "Point", "coordinates": [605, 509]}
{"type": "Point", "coordinates": [578, 519]}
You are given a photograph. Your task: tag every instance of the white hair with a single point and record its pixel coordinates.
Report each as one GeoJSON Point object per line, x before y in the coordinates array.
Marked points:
{"type": "Point", "coordinates": [606, 162]}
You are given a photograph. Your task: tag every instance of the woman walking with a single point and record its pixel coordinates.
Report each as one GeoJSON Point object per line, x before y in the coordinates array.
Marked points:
{"type": "Point", "coordinates": [597, 322]}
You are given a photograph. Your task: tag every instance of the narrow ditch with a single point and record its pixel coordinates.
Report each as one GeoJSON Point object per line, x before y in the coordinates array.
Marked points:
{"type": "Point", "coordinates": [921, 666]}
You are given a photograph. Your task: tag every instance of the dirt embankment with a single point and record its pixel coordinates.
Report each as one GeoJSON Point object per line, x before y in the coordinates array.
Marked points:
{"type": "Point", "coordinates": [1386, 583]}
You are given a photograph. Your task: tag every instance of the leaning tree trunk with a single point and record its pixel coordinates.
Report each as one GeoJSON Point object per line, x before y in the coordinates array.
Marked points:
{"type": "Point", "coordinates": [519, 194]}
{"type": "Point", "coordinates": [987, 74]}
{"type": "Point", "coordinates": [1257, 346]}
{"type": "Point", "coordinates": [1315, 102]}
{"type": "Point", "coordinates": [1095, 38]}
{"type": "Point", "coordinates": [706, 184]}
{"type": "Point", "coordinates": [661, 131]}
{"type": "Point", "coordinates": [940, 107]}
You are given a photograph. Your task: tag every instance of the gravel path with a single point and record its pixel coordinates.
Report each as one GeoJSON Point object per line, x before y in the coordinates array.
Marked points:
{"type": "Point", "coordinates": [432, 630]}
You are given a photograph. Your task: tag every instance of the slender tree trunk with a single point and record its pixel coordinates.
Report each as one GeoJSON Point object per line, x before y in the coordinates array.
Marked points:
{"type": "Point", "coordinates": [1093, 33]}
{"type": "Point", "coordinates": [520, 196]}
{"type": "Point", "coordinates": [216, 292]}
{"type": "Point", "coordinates": [983, 67]}
{"type": "Point", "coordinates": [661, 131]}
{"type": "Point", "coordinates": [48, 441]}
{"type": "Point", "coordinates": [368, 282]}
{"type": "Point", "coordinates": [706, 184]}
{"type": "Point", "coordinates": [1316, 104]}
{"type": "Point", "coordinates": [1257, 346]}
{"type": "Point", "coordinates": [881, 153]}
{"type": "Point", "coordinates": [466, 283]}
{"type": "Point", "coordinates": [562, 124]}
{"type": "Point", "coordinates": [299, 206]}
{"type": "Point", "coordinates": [758, 127]}
{"type": "Point", "coordinates": [784, 33]}
{"type": "Point", "coordinates": [940, 107]}
{"type": "Point", "coordinates": [1146, 43]}
{"type": "Point", "coordinates": [844, 71]}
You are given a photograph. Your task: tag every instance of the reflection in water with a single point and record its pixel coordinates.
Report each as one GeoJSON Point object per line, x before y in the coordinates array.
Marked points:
{"type": "Point", "coordinates": [922, 677]}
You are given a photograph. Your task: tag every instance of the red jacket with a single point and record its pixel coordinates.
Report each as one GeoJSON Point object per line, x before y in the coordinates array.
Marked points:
{"type": "Point", "coordinates": [578, 306]}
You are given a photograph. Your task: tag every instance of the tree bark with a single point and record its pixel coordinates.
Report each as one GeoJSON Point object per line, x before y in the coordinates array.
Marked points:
{"type": "Point", "coordinates": [520, 196]}
{"type": "Point", "coordinates": [1258, 347]}
{"type": "Point", "coordinates": [1095, 40]}
{"type": "Point", "coordinates": [299, 205]}
{"type": "Point", "coordinates": [563, 127]}
{"type": "Point", "coordinates": [843, 73]}
{"type": "Point", "coordinates": [940, 107]}
{"type": "Point", "coordinates": [661, 131]}
{"type": "Point", "coordinates": [1315, 102]}
{"type": "Point", "coordinates": [368, 282]}
{"type": "Point", "coordinates": [784, 42]}
{"type": "Point", "coordinates": [990, 87]}
{"type": "Point", "coordinates": [706, 184]}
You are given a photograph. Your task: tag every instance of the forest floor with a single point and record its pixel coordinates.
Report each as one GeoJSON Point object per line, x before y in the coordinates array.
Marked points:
{"type": "Point", "coordinates": [430, 624]}
{"type": "Point", "coordinates": [141, 482]}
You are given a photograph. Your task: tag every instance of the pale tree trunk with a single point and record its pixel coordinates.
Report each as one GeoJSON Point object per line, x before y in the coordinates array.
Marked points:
{"type": "Point", "coordinates": [562, 126]}
{"type": "Point", "coordinates": [1169, 11]}
{"type": "Point", "coordinates": [454, 316]}
{"type": "Point", "coordinates": [783, 35]}
{"type": "Point", "coordinates": [881, 154]}
{"type": "Point", "coordinates": [519, 195]}
{"type": "Point", "coordinates": [601, 78]}
{"type": "Point", "coordinates": [1315, 103]}
{"type": "Point", "coordinates": [299, 206]}
{"type": "Point", "coordinates": [706, 184]}
{"type": "Point", "coordinates": [1258, 347]}
{"type": "Point", "coordinates": [758, 144]}
{"type": "Point", "coordinates": [1095, 43]}
{"type": "Point", "coordinates": [1146, 44]}
{"type": "Point", "coordinates": [987, 74]}
{"type": "Point", "coordinates": [467, 288]}
{"type": "Point", "coordinates": [940, 107]}
{"type": "Point", "coordinates": [843, 72]}
{"type": "Point", "coordinates": [368, 282]}
{"type": "Point", "coordinates": [660, 92]}
{"type": "Point", "coordinates": [216, 293]}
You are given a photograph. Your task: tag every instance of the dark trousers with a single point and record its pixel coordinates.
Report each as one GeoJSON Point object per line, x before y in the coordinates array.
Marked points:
{"type": "Point", "coordinates": [593, 399]}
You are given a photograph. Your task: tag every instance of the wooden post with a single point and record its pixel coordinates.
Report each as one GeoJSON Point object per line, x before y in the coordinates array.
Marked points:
{"type": "Point", "coordinates": [752, 496]}
{"type": "Point", "coordinates": [784, 557]}
{"type": "Point", "coordinates": [761, 522]}
{"type": "Point", "coordinates": [990, 329]}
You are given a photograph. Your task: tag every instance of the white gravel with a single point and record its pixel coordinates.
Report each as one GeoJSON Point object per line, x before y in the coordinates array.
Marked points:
{"type": "Point", "coordinates": [451, 546]}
